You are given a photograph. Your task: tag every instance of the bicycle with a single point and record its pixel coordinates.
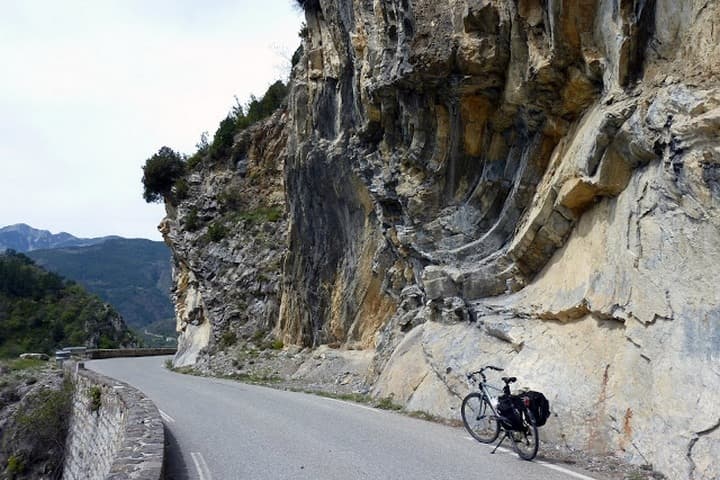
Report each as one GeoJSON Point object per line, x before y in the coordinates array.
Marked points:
{"type": "Point", "coordinates": [484, 422]}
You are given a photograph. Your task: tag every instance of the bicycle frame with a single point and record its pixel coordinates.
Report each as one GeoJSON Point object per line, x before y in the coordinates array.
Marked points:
{"type": "Point", "coordinates": [529, 435]}
{"type": "Point", "coordinates": [485, 388]}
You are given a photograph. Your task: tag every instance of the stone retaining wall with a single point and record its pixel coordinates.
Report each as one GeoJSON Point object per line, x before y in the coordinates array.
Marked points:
{"type": "Point", "coordinates": [115, 431]}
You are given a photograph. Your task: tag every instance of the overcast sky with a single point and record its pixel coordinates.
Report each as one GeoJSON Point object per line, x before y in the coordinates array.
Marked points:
{"type": "Point", "coordinates": [89, 89]}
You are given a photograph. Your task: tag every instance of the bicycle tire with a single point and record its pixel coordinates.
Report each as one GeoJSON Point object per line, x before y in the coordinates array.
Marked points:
{"type": "Point", "coordinates": [526, 442]}
{"type": "Point", "coordinates": [479, 418]}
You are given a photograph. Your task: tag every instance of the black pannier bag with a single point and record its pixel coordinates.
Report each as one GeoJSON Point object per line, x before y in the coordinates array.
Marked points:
{"type": "Point", "coordinates": [510, 409]}
{"type": "Point", "coordinates": [538, 406]}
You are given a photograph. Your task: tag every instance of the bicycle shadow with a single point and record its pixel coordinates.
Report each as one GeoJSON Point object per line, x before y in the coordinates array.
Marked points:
{"type": "Point", "coordinates": [174, 467]}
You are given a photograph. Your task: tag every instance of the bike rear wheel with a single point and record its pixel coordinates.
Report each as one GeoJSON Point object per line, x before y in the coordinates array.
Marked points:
{"type": "Point", "coordinates": [479, 419]}
{"type": "Point", "coordinates": [526, 441]}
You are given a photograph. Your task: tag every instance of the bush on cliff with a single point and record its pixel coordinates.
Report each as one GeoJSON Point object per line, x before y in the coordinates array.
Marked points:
{"type": "Point", "coordinates": [258, 109]}
{"type": "Point", "coordinates": [192, 220]}
{"type": "Point", "coordinates": [242, 117]}
{"type": "Point", "coordinates": [160, 173]}
{"type": "Point", "coordinates": [166, 168]}
{"type": "Point", "coordinates": [223, 139]}
{"type": "Point", "coordinates": [216, 232]}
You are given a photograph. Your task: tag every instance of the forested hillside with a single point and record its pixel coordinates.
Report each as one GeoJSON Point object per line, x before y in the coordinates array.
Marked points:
{"type": "Point", "coordinates": [41, 311]}
{"type": "Point", "coordinates": [133, 275]}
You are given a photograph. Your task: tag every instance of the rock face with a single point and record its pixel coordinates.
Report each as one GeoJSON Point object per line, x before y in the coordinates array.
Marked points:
{"type": "Point", "coordinates": [34, 416]}
{"type": "Point", "coordinates": [529, 184]}
{"type": "Point", "coordinates": [228, 241]}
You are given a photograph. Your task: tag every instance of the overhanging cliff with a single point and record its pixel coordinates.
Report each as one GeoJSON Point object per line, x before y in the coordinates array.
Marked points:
{"type": "Point", "coordinates": [528, 183]}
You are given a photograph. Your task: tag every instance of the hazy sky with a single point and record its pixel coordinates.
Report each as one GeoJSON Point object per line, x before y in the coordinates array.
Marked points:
{"type": "Point", "coordinates": [90, 89]}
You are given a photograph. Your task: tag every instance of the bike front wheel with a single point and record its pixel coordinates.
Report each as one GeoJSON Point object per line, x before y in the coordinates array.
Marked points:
{"type": "Point", "coordinates": [526, 441]}
{"type": "Point", "coordinates": [479, 418]}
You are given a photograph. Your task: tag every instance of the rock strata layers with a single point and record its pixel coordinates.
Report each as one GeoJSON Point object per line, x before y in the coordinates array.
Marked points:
{"type": "Point", "coordinates": [530, 184]}
{"type": "Point", "coordinates": [227, 235]}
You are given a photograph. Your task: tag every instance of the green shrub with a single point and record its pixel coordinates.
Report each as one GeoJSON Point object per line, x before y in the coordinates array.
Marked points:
{"type": "Point", "coordinates": [106, 342]}
{"type": "Point", "coordinates": [277, 344]}
{"type": "Point", "coordinates": [203, 148]}
{"type": "Point", "coordinates": [39, 429]}
{"type": "Point", "coordinates": [239, 118]}
{"type": "Point", "coordinates": [194, 160]}
{"type": "Point", "coordinates": [216, 232]}
{"type": "Point", "coordinates": [180, 190]}
{"type": "Point", "coordinates": [20, 364]}
{"type": "Point", "coordinates": [95, 395]}
{"type": "Point", "coordinates": [223, 139]}
{"type": "Point", "coordinates": [15, 465]}
{"type": "Point", "coordinates": [258, 335]}
{"type": "Point", "coordinates": [191, 220]}
{"type": "Point", "coordinates": [262, 215]}
{"type": "Point", "coordinates": [259, 109]}
{"type": "Point", "coordinates": [160, 173]}
{"type": "Point", "coordinates": [227, 340]}
{"type": "Point", "coordinates": [388, 403]}
{"type": "Point", "coordinates": [231, 198]}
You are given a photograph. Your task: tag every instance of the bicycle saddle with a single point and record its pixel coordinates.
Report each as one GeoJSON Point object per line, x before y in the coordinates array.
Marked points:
{"type": "Point", "coordinates": [509, 380]}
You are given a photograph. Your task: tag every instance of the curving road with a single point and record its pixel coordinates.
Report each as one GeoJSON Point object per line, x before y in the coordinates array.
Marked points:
{"type": "Point", "coordinates": [224, 430]}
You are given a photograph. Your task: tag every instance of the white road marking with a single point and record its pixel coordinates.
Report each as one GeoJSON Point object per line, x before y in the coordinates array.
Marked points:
{"type": "Point", "coordinates": [201, 466]}
{"type": "Point", "coordinates": [490, 445]}
{"type": "Point", "coordinates": [166, 417]}
{"type": "Point", "coordinates": [558, 468]}
{"type": "Point", "coordinates": [353, 404]}
{"type": "Point", "coordinates": [542, 463]}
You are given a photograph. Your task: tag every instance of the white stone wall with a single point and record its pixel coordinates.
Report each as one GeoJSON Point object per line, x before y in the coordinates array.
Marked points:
{"type": "Point", "coordinates": [106, 443]}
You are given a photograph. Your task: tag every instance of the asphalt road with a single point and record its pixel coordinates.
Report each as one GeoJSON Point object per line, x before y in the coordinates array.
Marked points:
{"type": "Point", "coordinates": [225, 430]}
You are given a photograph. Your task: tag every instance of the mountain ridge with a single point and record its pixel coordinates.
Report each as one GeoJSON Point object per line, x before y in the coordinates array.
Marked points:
{"type": "Point", "coordinates": [132, 274]}
{"type": "Point", "coordinates": [22, 238]}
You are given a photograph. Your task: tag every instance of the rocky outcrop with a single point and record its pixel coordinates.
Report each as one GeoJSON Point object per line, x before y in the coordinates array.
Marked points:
{"type": "Point", "coordinates": [35, 404]}
{"type": "Point", "coordinates": [532, 184]}
{"type": "Point", "coordinates": [228, 242]}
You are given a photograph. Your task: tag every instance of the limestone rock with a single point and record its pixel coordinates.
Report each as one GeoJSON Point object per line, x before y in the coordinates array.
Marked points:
{"type": "Point", "coordinates": [228, 239]}
{"type": "Point", "coordinates": [529, 184]}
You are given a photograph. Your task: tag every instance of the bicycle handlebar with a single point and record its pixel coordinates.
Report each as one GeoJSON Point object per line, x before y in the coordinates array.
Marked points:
{"type": "Point", "coordinates": [480, 372]}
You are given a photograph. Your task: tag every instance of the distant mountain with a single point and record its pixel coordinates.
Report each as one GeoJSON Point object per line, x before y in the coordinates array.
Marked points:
{"type": "Point", "coordinates": [134, 275]}
{"type": "Point", "coordinates": [24, 238]}
{"type": "Point", "coordinates": [40, 311]}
